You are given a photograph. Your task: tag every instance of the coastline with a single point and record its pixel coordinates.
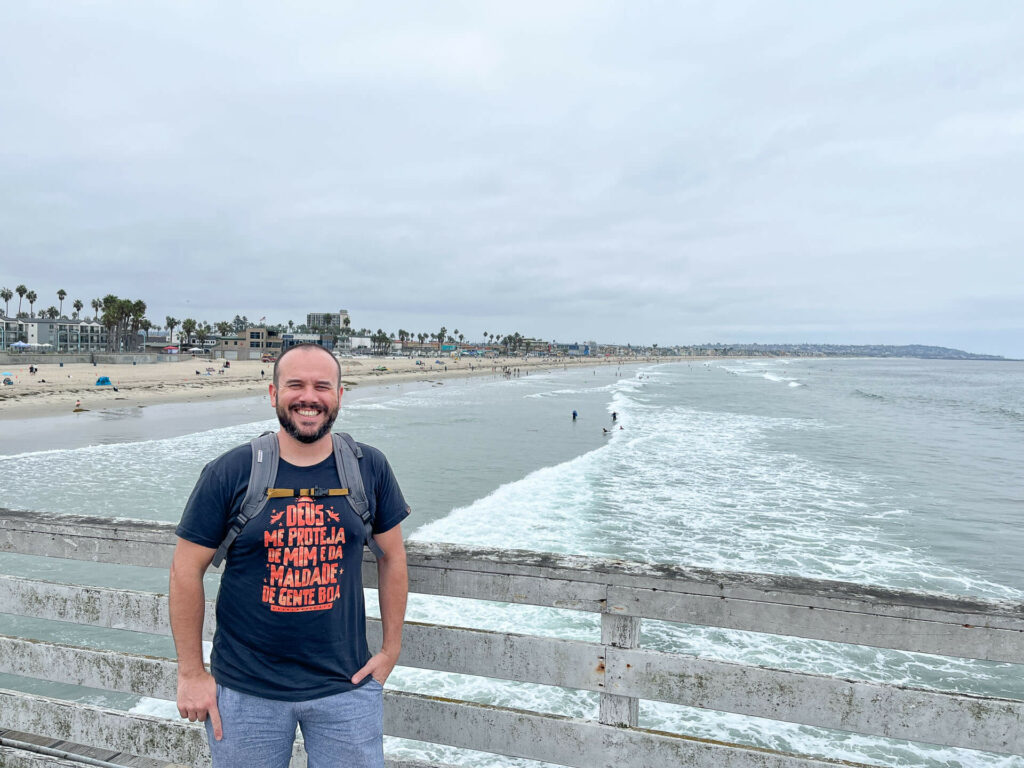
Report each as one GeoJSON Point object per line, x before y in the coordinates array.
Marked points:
{"type": "Point", "coordinates": [54, 390]}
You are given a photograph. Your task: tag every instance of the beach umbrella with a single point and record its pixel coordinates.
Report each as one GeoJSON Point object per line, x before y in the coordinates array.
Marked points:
{"type": "Point", "coordinates": [6, 373]}
{"type": "Point", "coordinates": [20, 345]}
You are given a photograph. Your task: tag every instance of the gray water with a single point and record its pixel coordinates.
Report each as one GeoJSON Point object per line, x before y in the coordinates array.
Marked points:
{"type": "Point", "coordinates": [901, 473]}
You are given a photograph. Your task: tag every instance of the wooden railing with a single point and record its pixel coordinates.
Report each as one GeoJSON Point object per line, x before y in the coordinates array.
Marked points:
{"type": "Point", "coordinates": [623, 593]}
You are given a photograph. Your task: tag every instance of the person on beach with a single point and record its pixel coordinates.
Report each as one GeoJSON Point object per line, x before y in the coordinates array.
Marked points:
{"type": "Point", "coordinates": [290, 647]}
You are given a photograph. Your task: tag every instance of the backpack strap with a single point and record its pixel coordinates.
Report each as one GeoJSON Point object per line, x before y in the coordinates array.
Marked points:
{"type": "Point", "coordinates": [346, 456]}
{"type": "Point", "coordinates": [262, 474]}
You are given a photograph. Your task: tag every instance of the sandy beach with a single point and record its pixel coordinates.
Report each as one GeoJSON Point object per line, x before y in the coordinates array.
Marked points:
{"type": "Point", "coordinates": [54, 390]}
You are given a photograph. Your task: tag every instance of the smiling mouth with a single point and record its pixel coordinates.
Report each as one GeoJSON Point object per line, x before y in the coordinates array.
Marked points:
{"type": "Point", "coordinates": [308, 413]}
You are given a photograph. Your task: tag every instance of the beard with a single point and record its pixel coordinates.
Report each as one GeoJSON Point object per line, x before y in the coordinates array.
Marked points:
{"type": "Point", "coordinates": [288, 424]}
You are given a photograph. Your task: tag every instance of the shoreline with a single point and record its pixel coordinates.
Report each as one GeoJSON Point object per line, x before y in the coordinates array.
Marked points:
{"type": "Point", "coordinates": [54, 390]}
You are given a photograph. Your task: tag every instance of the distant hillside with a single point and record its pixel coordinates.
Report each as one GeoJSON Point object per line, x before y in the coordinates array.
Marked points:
{"type": "Point", "coordinates": [834, 350]}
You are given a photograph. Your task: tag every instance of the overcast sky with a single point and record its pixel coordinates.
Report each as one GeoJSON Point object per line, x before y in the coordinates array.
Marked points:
{"type": "Point", "coordinates": [638, 172]}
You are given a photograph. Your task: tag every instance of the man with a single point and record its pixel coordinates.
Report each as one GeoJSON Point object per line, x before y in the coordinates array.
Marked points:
{"type": "Point", "coordinates": [290, 646]}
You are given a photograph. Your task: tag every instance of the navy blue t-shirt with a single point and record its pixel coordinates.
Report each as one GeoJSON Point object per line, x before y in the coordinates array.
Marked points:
{"type": "Point", "coordinates": [291, 623]}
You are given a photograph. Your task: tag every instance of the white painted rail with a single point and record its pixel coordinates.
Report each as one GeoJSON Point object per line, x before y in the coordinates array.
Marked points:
{"type": "Point", "coordinates": [623, 674]}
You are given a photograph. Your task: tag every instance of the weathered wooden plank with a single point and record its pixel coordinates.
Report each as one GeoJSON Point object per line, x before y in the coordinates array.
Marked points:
{"type": "Point", "coordinates": [96, 753]}
{"type": "Point", "coordinates": [568, 741]}
{"type": "Point", "coordinates": [928, 631]}
{"type": "Point", "coordinates": [172, 741]}
{"type": "Point", "coordinates": [475, 652]}
{"type": "Point", "coordinates": [66, 530]}
{"type": "Point", "coordinates": [147, 612]}
{"type": "Point", "coordinates": [616, 708]}
{"type": "Point", "coordinates": [29, 738]}
{"type": "Point", "coordinates": [875, 709]}
{"type": "Point", "coordinates": [95, 606]}
{"type": "Point", "coordinates": [16, 758]}
{"type": "Point", "coordinates": [450, 569]}
{"type": "Point", "coordinates": [957, 720]}
{"type": "Point", "coordinates": [720, 584]}
{"type": "Point", "coordinates": [81, 537]}
{"type": "Point", "coordinates": [574, 743]}
{"type": "Point", "coordinates": [518, 589]}
{"type": "Point", "coordinates": [524, 658]}
{"type": "Point", "coordinates": [106, 670]}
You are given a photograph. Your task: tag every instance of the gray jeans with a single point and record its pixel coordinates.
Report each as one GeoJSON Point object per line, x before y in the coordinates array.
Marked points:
{"type": "Point", "coordinates": [346, 729]}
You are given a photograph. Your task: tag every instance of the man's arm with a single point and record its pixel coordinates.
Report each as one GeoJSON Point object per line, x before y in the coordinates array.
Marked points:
{"type": "Point", "coordinates": [197, 691]}
{"type": "Point", "coordinates": [392, 593]}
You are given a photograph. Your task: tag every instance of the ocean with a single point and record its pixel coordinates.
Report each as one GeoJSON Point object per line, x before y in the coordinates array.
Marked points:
{"type": "Point", "coordinates": [902, 473]}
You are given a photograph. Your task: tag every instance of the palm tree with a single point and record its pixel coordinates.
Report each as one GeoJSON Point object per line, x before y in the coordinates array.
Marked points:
{"type": "Point", "coordinates": [61, 294]}
{"type": "Point", "coordinates": [6, 294]}
{"type": "Point", "coordinates": [188, 327]}
{"type": "Point", "coordinates": [171, 323]}
{"type": "Point", "coordinates": [97, 305]}
{"type": "Point", "coordinates": [78, 307]}
{"type": "Point", "coordinates": [21, 290]}
{"type": "Point", "coordinates": [203, 332]}
{"type": "Point", "coordinates": [113, 311]}
{"type": "Point", "coordinates": [147, 326]}
{"type": "Point", "coordinates": [136, 314]}
{"type": "Point", "coordinates": [50, 312]}
{"type": "Point", "coordinates": [346, 325]}
{"type": "Point", "coordinates": [224, 328]}
{"type": "Point", "coordinates": [31, 296]}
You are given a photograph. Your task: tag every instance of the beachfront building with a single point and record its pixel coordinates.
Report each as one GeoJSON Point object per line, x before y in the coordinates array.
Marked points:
{"type": "Point", "coordinates": [573, 350]}
{"type": "Point", "coordinates": [261, 340]}
{"type": "Point", "coordinates": [11, 331]}
{"type": "Point", "coordinates": [294, 339]}
{"type": "Point", "coordinates": [60, 335]}
{"type": "Point", "coordinates": [255, 342]}
{"type": "Point", "coordinates": [356, 344]}
{"type": "Point", "coordinates": [327, 319]}
{"type": "Point", "coordinates": [228, 347]}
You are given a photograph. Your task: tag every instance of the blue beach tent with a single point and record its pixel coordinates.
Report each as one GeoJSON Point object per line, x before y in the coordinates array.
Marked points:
{"type": "Point", "coordinates": [103, 381]}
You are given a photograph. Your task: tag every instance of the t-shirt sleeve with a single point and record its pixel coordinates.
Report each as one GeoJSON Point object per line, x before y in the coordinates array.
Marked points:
{"type": "Point", "coordinates": [391, 506]}
{"type": "Point", "coordinates": [212, 503]}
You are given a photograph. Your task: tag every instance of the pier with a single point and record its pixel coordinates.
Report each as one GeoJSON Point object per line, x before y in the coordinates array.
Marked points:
{"type": "Point", "coordinates": [617, 668]}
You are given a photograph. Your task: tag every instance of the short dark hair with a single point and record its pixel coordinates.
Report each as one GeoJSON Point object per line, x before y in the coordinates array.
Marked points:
{"type": "Point", "coordinates": [307, 345]}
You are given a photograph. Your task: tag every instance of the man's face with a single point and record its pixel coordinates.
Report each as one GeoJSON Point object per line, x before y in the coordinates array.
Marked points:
{"type": "Point", "coordinates": [307, 394]}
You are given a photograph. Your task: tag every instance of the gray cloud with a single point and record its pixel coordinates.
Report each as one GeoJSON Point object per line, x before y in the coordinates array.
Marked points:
{"type": "Point", "coordinates": [667, 172]}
